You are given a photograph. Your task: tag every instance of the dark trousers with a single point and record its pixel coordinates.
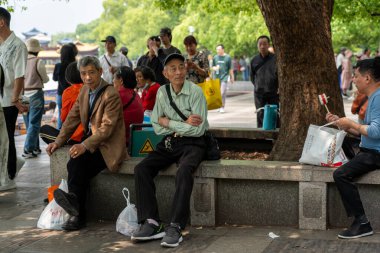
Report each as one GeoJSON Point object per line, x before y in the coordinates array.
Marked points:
{"type": "Point", "coordinates": [80, 171]}
{"type": "Point", "coordinates": [188, 152]}
{"type": "Point", "coordinates": [265, 99]}
{"type": "Point", "coordinates": [364, 162]}
{"type": "Point", "coordinates": [10, 115]}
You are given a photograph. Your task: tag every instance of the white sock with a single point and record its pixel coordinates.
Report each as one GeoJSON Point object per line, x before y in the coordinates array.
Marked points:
{"type": "Point", "coordinates": [152, 221]}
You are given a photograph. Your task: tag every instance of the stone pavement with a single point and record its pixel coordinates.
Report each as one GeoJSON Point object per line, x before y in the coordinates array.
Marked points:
{"type": "Point", "coordinates": [20, 209]}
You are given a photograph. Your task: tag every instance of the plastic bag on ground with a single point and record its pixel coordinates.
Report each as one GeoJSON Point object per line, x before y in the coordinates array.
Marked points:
{"type": "Point", "coordinates": [53, 216]}
{"type": "Point", "coordinates": [127, 223]}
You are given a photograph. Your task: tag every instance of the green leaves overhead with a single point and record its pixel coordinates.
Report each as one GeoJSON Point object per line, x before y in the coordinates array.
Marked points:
{"type": "Point", "coordinates": [235, 23]}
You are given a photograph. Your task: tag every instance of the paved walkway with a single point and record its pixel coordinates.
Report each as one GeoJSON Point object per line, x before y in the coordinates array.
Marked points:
{"type": "Point", "coordinates": [21, 207]}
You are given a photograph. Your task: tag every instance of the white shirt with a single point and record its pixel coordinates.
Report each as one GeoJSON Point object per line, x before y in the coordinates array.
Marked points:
{"type": "Point", "coordinates": [117, 59]}
{"type": "Point", "coordinates": [13, 56]}
{"type": "Point", "coordinates": [339, 60]}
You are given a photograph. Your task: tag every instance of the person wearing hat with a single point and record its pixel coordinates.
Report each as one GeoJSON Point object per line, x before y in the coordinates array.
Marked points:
{"type": "Point", "coordinates": [35, 77]}
{"type": "Point", "coordinates": [13, 57]}
{"type": "Point", "coordinates": [111, 60]}
{"type": "Point", "coordinates": [183, 144]}
{"type": "Point", "coordinates": [124, 51]}
{"type": "Point", "coordinates": [166, 39]}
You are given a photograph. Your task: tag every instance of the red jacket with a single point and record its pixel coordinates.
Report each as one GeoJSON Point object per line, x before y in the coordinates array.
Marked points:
{"type": "Point", "coordinates": [148, 96]}
{"type": "Point", "coordinates": [134, 113]}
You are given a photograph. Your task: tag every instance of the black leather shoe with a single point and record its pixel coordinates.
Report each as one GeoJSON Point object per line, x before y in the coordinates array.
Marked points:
{"type": "Point", "coordinates": [68, 201]}
{"type": "Point", "coordinates": [74, 223]}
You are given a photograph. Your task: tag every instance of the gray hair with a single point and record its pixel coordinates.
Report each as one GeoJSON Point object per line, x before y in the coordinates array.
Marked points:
{"type": "Point", "coordinates": [89, 60]}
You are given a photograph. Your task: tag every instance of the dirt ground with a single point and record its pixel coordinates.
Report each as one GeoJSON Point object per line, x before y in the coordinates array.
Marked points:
{"type": "Point", "coordinates": [234, 155]}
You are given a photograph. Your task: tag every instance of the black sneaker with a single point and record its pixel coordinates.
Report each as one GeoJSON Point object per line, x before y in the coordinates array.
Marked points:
{"type": "Point", "coordinates": [356, 230]}
{"type": "Point", "coordinates": [28, 155]}
{"type": "Point", "coordinates": [173, 236]}
{"type": "Point", "coordinates": [148, 231]}
{"type": "Point", "coordinates": [74, 223]}
{"type": "Point", "coordinates": [68, 201]}
{"type": "Point", "coordinates": [37, 151]}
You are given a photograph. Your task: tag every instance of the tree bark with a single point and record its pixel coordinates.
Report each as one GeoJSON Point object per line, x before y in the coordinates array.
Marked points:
{"type": "Point", "coordinates": [301, 35]}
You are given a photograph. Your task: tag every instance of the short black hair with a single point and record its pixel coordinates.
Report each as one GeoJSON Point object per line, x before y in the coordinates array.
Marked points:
{"type": "Point", "coordinates": [220, 45]}
{"type": "Point", "coordinates": [147, 73]}
{"type": "Point", "coordinates": [263, 37]}
{"type": "Point", "coordinates": [128, 76]}
{"type": "Point", "coordinates": [72, 74]}
{"type": "Point", "coordinates": [370, 66]}
{"type": "Point", "coordinates": [190, 40]}
{"type": "Point", "coordinates": [167, 31]}
{"type": "Point", "coordinates": [6, 16]}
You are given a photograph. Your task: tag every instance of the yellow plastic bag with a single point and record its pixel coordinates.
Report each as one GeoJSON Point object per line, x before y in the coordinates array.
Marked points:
{"type": "Point", "coordinates": [211, 90]}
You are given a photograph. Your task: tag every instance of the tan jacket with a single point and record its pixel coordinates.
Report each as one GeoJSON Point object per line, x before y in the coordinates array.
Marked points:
{"type": "Point", "coordinates": [107, 125]}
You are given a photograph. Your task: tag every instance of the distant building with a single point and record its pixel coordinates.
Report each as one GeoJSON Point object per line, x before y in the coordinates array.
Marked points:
{"type": "Point", "coordinates": [51, 55]}
{"type": "Point", "coordinates": [42, 37]}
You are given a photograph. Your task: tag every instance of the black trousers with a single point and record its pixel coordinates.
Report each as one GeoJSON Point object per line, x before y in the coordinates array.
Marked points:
{"type": "Point", "coordinates": [80, 171]}
{"type": "Point", "coordinates": [364, 162]}
{"type": "Point", "coordinates": [10, 115]}
{"type": "Point", "coordinates": [188, 152]}
{"type": "Point", "coordinates": [265, 99]}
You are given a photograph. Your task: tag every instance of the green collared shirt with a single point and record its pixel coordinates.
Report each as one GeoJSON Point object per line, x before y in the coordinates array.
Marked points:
{"type": "Point", "coordinates": [190, 100]}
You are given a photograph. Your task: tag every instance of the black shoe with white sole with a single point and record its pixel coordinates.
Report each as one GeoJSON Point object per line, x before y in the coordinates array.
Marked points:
{"type": "Point", "coordinates": [173, 236]}
{"type": "Point", "coordinates": [148, 231]}
{"type": "Point", "coordinates": [356, 230]}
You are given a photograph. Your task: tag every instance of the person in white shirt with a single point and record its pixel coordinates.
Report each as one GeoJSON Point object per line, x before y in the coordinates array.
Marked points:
{"type": "Point", "coordinates": [111, 60]}
{"type": "Point", "coordinates": [13, 56]}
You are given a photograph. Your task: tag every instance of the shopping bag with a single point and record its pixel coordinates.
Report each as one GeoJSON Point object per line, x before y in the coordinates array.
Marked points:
{"type": "Point", "coordinates": [53, 216]}
{"type": "Point", "coordinates": [323, 147]}
{"type": "Point", "coordinates": [127, 223]}
{"type": "Point", "coordinates": [211, 90]}
{"type": "Point", "coordinates": [51, 190]}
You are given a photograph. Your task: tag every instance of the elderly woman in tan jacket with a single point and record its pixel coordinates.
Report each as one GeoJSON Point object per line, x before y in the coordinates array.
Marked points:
{"type": "Point", "coordinates": [98, 109]}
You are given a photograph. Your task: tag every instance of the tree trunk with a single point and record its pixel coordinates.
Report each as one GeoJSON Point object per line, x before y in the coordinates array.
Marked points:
{"type": "Point", "coordinates": [301, 35]}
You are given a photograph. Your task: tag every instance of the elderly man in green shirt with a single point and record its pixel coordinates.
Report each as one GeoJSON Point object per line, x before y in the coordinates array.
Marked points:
{"type": "Point", "coordinates": [183, 144]}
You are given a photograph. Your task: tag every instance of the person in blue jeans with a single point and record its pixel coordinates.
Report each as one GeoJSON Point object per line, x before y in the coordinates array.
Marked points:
{"type": "Point", "coordinates": [35, 77]}
{"type": "Point", "coordinates": [367, 79]}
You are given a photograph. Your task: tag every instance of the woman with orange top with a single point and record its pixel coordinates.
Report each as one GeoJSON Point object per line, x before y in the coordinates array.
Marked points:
{"type": "Point", "coordinates": [69, 96]}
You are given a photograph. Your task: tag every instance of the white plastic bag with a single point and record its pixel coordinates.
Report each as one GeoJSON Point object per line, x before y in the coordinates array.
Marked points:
{"type": "Point", "coordinates": [126, 223]}
{"type": "Point", "coordinates": [323, 147]}
{"type": "Point", "coordinates": [53, 216]}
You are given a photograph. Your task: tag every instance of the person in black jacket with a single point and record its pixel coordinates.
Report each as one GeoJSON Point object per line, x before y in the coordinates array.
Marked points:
{"type": "Point", "coordinates": [264, 78]}
{"type": "Point", "coordinates": [154, 59]}
{"type": "Point", "coordinates": [68, 54]}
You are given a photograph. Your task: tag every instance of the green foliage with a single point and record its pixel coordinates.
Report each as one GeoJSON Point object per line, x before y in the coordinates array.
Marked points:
{"type": "Point", "coordinates": [356, 24]}
{"type": "Point", "coordinates": [235, 23]}
{"type": "Point", "coordinates": [132, 22]}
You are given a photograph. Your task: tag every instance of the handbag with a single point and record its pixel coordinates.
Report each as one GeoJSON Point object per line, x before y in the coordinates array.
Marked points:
{"type": "Point", "coordinates": [211, 91]}
{"type": "Point", "coordinates": [212, 150]}
{"type": "Point", "coordinates": [323, 147]}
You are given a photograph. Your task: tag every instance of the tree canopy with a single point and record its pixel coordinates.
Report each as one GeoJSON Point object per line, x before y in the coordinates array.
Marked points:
{"type": "Point", "coordinates": [235, 23]}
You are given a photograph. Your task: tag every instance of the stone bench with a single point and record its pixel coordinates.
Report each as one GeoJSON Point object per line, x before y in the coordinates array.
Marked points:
{"type": "Point", "coordinates": [237, 192]}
